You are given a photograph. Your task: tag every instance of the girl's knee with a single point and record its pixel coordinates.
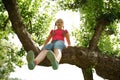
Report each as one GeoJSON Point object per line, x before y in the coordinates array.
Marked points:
{"type": "Point", "coordinates": [57, 50]}
{"type": "Point", "coordinates": [36, 62]}
{"type": "Point", "coordinates": [44, 51]}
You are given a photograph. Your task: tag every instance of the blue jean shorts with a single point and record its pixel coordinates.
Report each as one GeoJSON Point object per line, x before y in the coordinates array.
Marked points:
{"type": "Point", "coordinates": [59, 44]}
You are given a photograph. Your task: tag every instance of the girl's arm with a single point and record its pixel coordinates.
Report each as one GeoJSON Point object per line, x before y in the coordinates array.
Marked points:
{"type": "Point", "coordinates": [48, 39]}
{"type": "Point", "coordinates": [68, 39]}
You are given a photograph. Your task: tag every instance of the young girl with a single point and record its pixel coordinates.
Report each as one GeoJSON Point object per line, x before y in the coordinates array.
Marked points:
{"type": "Point", "coordinates": [53, 50]}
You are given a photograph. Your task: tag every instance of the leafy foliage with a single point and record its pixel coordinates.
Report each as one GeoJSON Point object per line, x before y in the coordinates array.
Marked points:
{"type": "Point", "coordinates": [91, 11]}
{"type": "Point", "coordinates": [37, 15]}
{"type": "Point", "coordinates": [8, 58]}
{"type": "Point", "coordinates": [109, 42]}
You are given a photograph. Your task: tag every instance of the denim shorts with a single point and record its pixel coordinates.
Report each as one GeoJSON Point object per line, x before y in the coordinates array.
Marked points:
{"type": "Point", "coordinates": [59, 44]}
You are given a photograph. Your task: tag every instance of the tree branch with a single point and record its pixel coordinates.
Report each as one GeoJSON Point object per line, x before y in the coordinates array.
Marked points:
{"type": "Point", "coordinates": [18, 26]}
{"type": "Point", "coordinates": [100, 26]}
{"type": "Point", "coordinates": [106, 66]}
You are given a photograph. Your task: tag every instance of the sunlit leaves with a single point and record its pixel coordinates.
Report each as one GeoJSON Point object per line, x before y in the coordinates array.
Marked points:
{"type": "Point", "coordinates": [37, 16]}
{"type": "Point", "coordinates": [71, 4]}
{"type": "Point", "coordinates": [8, 56]}
{"type": "Point", "coordinates": [91, 11]}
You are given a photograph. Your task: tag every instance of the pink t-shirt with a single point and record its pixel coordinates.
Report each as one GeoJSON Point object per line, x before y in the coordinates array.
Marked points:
{"type": "Point", "coordinates": [58, 34]}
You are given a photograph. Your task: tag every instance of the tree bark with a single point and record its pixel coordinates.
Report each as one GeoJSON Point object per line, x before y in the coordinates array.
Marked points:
{"type": "Point", "coordinates": [18, 26]}
{"type": "Point", "coordinates": [105, 66]}
{"type": "Point", "coordinates": [99, 28]}
{"type": "Point", "coordinates": [87, 73]}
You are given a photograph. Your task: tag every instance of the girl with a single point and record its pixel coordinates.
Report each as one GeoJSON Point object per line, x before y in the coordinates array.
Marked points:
{"type": "Point", "coordinates": [53, 50]}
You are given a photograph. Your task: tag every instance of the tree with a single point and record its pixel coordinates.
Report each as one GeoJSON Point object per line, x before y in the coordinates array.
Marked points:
{"type": "Point", "coordinates": [86, 58]}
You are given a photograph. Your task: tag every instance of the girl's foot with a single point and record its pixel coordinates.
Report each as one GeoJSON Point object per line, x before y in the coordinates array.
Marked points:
{"type": "Point", "coordinates": [52, 59]}
{"type": "Point", "coordinates": [30, 60]}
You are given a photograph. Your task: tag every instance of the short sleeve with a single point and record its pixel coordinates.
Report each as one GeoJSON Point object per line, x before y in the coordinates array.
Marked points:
{"type": "Point", "coordinates": [51, 31]}
{"type": "Point", "coordinates": [66, 31]}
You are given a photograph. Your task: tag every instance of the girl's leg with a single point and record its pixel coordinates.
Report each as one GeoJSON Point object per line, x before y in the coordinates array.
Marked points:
{"type": "Point", "coordinates": [58, 46]}
{"type": "Point", "coordinates": [40, 57]}
{"type": "Point", "coordinates": [58, 54]}
{"type": "Point", "coordinates": [43, 54]}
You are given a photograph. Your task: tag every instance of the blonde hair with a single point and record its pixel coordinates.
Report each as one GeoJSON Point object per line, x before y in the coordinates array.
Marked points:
{"type": "Point", "coordinates": [57, 21]}
{"type": "Point", "coordinates": [63, 32]}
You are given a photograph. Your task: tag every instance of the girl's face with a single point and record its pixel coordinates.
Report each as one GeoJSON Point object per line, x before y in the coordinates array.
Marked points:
{"type": "Point", "coordinates": [59, 23]}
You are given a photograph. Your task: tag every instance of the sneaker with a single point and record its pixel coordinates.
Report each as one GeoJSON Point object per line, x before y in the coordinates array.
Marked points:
{"type": "Point", "coordinates": [53, 61]}
{"type": "Point", "coordinates": [30, 60]}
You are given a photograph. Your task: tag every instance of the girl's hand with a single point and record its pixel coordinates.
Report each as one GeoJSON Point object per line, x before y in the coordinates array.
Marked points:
{"type": "Point", "coordinates": [42, 48]}
{"type": "Point", "coordinates": [68, 46]}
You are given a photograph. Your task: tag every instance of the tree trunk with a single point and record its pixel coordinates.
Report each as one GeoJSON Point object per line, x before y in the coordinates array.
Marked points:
{"type": "Point", "coordinates": [105, 66]}
{"type": "Point", "coordinates": [99, 28]}
{"type": "Point", "coordinates": [87, 73]}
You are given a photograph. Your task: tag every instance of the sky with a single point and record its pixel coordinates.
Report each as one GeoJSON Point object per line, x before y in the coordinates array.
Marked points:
{"type": "Point", "coordinates": [65, 71]}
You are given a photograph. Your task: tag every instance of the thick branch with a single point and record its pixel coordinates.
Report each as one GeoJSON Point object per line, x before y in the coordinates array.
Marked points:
{"type": "Point", "coordinates": [18, 26]}
{"type": "Point", "coordinates": [105, 66]}
{"type": "Point", "coordinates": [87, 73]}
{"type": "Point", "coordinates": [108, 67]}
{"type": "Point", "coordinates": [98, 31]}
